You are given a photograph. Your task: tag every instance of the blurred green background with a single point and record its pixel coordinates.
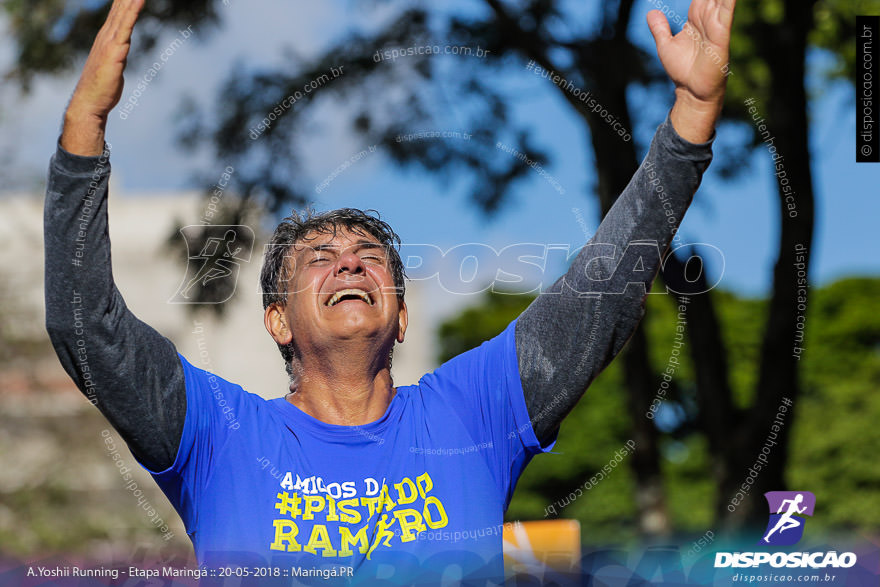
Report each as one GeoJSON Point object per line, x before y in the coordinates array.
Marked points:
{"type": "Point", "coordinates": [794, 58]}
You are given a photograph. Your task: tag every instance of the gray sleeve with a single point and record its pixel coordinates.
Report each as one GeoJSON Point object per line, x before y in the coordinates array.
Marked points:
{"type": "Point", "coordinates": [130, 372]}
{"type": "Point", "coordinates": [573, 330]}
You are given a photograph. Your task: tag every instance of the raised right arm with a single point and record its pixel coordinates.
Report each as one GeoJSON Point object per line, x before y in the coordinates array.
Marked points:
{"type": "Point", "coordinates": [123, 366]}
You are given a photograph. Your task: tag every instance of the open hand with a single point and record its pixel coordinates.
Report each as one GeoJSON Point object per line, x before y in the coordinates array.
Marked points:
{"type": "Point", "coordinates": [696, 61]}
{"type": "Point", "coordinates": [100, 85]}
{"type": "Point", "coordinates": [696, 58]}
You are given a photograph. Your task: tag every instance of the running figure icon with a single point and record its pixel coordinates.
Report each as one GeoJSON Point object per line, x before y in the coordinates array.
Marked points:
{"type": "Point", "coordinates": [215, 266]}
{"type": "Point", "coordinates": [786, 522]}
{"type": "Point", "coordinates": [214, 259]}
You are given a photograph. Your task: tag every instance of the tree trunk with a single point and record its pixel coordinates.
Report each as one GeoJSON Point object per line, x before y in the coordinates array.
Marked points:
{"type": "Point", "coordinates": [717, 416]}
{"type": "Point", "coordinates": [784, 48]}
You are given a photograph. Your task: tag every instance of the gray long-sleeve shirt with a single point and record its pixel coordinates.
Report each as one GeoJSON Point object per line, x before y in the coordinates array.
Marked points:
{"type": "Point", "coordinates": [563, 339]}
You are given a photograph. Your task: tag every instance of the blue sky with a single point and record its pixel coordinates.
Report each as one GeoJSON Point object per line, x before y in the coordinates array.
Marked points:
{"type": "Point", "coordinates": [739, 217]}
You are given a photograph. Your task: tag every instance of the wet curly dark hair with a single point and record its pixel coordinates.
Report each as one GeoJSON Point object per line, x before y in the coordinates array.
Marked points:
{"type": "Point", "coordinates": [294, 229]}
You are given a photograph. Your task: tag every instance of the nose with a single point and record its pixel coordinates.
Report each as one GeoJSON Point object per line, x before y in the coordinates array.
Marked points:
{"type": "Point", "coordinates": [351, 263]}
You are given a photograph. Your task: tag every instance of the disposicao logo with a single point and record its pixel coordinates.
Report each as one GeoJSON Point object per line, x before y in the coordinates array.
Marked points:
{"type": "Point", "coordinates": [784, 529]}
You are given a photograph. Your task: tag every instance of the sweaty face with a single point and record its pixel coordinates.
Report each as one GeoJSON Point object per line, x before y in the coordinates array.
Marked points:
{"type": "Point", "coordinates": [342, 288]}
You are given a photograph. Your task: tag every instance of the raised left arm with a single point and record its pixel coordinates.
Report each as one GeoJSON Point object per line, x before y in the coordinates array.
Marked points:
{"type": "Point", "coordinates": [564, 339]}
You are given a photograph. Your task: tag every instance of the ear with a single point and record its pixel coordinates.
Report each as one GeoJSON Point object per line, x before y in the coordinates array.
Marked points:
{"type": "Point", "coordinates": [402, 321]}
{"type": "Point", "coordinates": [276, 324]}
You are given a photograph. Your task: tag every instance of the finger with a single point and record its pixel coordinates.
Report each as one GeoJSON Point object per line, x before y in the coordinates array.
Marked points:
{"type": "Point", "coordinates": [116, 7]}
{"type": "Point", "coordinates": [122, 17]}
{"type": "Point", "coordinates": [659, 28]}
{"type": "Point", "coordinates": [129, 15]}
{"type": "Point", "coordinates": [725, 13]}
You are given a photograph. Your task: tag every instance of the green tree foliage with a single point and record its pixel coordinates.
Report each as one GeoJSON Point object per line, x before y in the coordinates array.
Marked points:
{"type": "Point", "coordinates": [836, 433]}
{"type": "Point", "coordinates": [742, 361]}
{"type": "Point", "coordinates": [834, 429]}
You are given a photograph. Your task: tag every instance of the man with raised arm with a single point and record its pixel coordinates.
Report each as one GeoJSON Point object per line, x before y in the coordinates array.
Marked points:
{"type": "Point", "coordinates": [382, 479]}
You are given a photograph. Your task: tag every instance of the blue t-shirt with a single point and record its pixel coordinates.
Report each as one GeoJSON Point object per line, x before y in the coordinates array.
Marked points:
{"type": "Point", "coordinates": [420, 492]}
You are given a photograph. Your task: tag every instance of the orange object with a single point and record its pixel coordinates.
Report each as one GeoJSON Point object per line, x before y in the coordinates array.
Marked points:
{"type": "Point", "coordinates": [532, 547]}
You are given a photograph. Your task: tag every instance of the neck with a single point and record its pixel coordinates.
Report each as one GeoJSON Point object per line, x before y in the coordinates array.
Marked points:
{"type": "Point", "coordinates": [349, 387]}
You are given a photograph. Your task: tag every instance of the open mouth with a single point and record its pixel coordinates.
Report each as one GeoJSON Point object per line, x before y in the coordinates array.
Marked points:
{"type": "Point", "coordinates": [349, 294]}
